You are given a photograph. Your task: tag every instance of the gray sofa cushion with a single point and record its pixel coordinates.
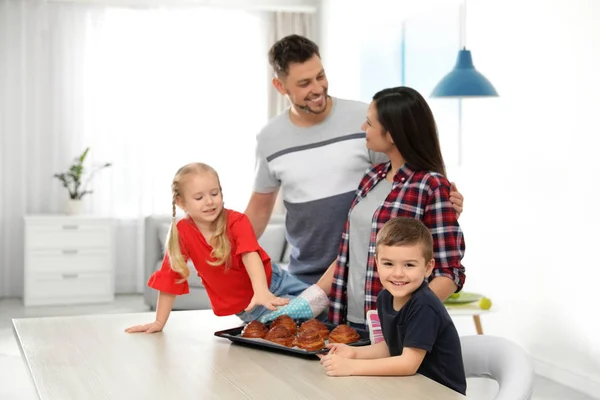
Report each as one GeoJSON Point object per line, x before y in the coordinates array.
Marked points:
{"type": "Point", "coordinates": [273, 241]}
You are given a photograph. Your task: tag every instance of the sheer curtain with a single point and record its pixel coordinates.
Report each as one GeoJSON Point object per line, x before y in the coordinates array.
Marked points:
{"type": "Point", "coordinates": [41, 119]}
{"type": "Point", "coordinates": [183, 85]}
{"type": "Point", "coordinates": [147, 89]}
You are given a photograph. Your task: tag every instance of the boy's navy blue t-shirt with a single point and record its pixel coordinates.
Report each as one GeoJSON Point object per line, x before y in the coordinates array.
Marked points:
{"type": "Point", "coordinates": [424, 323]}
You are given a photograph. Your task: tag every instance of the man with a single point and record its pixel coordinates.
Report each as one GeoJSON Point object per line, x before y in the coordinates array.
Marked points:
{"type": "Point", "coordinates": [315, 151]}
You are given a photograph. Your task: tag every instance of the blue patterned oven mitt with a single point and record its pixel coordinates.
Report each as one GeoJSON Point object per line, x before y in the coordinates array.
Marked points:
{"type": "Point", "coordinates": [309, 304]}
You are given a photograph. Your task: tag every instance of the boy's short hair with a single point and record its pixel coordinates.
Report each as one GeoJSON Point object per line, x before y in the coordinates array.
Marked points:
{"type": "Point", "coordinates": [403, 231]}
{"type": "Point", "coordinates": [291, 49]}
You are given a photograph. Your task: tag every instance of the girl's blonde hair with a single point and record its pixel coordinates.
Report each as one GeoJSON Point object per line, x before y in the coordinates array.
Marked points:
{"type": "Point", "coordinates": [219, 241]}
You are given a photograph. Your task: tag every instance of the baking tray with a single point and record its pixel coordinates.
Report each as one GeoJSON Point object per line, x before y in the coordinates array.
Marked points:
{"type": "Point", "coordinates": [234, 334]}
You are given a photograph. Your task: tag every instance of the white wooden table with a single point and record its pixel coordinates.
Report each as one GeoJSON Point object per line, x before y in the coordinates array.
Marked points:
{"type": "Point", "coordinates": [471, 310]}
{"type": "Point", "coordinates": [90, 357]}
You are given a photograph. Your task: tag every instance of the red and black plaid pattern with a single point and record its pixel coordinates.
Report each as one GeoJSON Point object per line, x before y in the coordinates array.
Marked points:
{"type": "Point", "coordinates": [423, 195]}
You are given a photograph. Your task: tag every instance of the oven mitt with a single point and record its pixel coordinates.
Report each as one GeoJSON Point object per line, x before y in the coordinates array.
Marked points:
{"type": "Point", "coordinates": [309, 304]}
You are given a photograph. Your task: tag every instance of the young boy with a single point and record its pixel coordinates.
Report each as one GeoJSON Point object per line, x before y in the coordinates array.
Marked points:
{"type": "Point", "coordinates": [419, 334]}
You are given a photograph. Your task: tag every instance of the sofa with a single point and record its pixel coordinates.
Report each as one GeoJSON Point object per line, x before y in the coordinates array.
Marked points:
{"type": "Point", "coordinates": [156, 229]}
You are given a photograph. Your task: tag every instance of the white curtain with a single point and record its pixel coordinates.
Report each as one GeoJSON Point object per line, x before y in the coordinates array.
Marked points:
{"type": "Point", "coordinates": [147, 89]}
{"type": "Point", "coordinates": [41, 118]}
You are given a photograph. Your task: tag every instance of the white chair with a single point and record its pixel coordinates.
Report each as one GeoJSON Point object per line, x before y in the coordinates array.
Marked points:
{"type": "Point", "coordinates": [499, 359]}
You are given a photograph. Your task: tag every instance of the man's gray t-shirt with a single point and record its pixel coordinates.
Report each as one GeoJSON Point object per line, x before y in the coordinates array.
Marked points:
{"type": "Point", "coordinates": [361, 218]}
{"type": "Point", "coordinates": [318, 169]}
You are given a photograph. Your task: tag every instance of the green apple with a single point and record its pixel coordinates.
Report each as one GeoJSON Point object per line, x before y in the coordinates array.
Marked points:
{"type": "Point", "coordinates": [485, 303]}
{"type": "Point", "coordinates": [455, 295]}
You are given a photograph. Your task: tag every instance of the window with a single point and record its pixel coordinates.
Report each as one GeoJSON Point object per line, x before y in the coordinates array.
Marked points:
{"type": "Point", "coordinates": [168, 87]}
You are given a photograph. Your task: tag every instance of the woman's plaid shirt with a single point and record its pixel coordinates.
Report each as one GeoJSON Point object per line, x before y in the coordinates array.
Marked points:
{"type": "Point", "coordinates": [423, 195]}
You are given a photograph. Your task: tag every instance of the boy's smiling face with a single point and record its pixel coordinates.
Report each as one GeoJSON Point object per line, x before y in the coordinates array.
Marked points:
{"type": "Point", "coordinates": [402, 269]}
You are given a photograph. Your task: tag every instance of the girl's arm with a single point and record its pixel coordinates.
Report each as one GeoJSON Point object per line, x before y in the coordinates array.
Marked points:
{"type": "Point", "coordinates": [164, 305]}
{"type": "Point", "coordinates": [256, 272]}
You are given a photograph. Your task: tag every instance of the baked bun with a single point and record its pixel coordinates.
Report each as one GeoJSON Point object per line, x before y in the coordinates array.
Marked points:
{"type": "Point", "coordinates": [343, 334]}
{"type": "Point", "coordinates": [281, 335]}
{"type": "Point", "coordinates": [309, 339]}
{"type": "Point", "coordinates": [287, 321]}
{"type": "Point", "coordinates": [255, 329]}
{"type": "Point", "coordinates": [316, 325]}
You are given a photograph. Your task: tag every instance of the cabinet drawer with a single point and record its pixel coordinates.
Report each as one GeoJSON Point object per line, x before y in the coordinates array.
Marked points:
{"type": "Point", "coordinates": [67, 236]}
{"type": "Point", "coordinates": [69, 285]}
{"type": "Point", "coordinates": [69, 261]}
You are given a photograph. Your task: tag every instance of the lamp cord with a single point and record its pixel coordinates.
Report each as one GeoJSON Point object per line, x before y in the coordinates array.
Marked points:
{"type": "Point", "coordinates": [463, 25]}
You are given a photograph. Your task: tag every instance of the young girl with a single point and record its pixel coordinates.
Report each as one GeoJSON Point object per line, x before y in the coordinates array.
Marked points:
{"type": "Point", "coordinates": [237, 273]}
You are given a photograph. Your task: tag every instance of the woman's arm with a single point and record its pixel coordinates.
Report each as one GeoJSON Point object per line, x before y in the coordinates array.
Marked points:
{"type": "Point", "coordinates": [443, 287]}
{"type": "Point", "coordinates": [440, 217]}
{"type": "Point", "coordinates": [326, 280]}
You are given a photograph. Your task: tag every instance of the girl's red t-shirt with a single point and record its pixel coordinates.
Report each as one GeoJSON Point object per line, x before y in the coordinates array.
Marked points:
{"type": "Point", "coordinates": [229, 289]}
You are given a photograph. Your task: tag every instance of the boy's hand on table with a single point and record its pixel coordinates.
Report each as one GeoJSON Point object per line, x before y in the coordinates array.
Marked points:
{"type": "Point", "coordinates": [336, 365]}
{"type": "Point", "coordinates": [342, 350]}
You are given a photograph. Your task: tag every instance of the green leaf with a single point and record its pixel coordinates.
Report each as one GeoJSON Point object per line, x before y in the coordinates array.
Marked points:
{"type": "Point", "coordinates": [73, 177]}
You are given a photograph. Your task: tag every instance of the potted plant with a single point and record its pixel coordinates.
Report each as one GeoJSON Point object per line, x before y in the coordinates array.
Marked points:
{"type": "Point", "coordinates": [73, 181]}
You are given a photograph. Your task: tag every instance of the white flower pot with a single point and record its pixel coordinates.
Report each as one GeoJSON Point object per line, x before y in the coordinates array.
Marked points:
{"type": "Point", "coordinates": [73, 207]}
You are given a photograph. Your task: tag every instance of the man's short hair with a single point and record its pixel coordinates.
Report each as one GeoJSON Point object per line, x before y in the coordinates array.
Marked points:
{"type": "Point", "coordinates": [291, 49]}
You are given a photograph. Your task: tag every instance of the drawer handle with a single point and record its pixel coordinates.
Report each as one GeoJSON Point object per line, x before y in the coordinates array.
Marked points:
{"type": "Point", "coordinates": [70, 227]}
{"type": "Point", "coordinates": [70, 251]}
{"type": "Point", "coordinates": [70, 276]}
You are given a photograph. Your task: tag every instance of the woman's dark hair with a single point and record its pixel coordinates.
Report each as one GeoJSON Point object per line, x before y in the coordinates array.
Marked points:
{"type": "Point", "coordinates": [291, 49]}
{"type": "Point", "coordinates": [405, 114]}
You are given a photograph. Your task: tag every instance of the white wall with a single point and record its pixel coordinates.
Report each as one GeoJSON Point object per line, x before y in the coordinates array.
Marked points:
{"type": "Point", "coordinates": [529, 173]}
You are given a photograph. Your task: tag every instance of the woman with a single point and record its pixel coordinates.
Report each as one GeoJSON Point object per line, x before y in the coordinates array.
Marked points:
{"type": "Point", "coordinates": [412, 184]}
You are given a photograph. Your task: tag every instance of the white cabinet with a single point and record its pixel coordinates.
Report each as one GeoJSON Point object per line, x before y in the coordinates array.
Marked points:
{"type": "Point", "coordinates": [68, 260]}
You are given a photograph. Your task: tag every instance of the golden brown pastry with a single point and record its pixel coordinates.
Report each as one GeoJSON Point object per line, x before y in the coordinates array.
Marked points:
{"type": "Point", "coordinates": [309, 339]}
{"type": "Point", "coordinates": [281, 335]}
{"type": "Point", "coordinates": [316, 325]}
{"type": "Point", "coordinates": [343, 334]}
{"type": "Point", "coordinates": [255, 329]}
{"type": "Point", "coordinates": [287, 321]}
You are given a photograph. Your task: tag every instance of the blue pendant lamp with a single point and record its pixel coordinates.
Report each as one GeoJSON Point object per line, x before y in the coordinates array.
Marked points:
{"type": "Point", "coordinates": [464, 80]}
